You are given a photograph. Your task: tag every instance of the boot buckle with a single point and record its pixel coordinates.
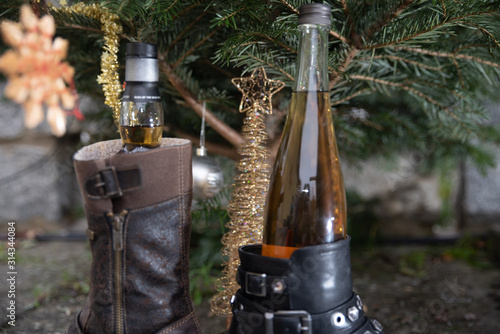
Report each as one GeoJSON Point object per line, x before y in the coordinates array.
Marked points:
{"type": "Point", "coordinates": [305, 325]}
{"type": "Point", "coordinates": [255, 284]}
{"type": "Point", "coordinates": [107, 183]}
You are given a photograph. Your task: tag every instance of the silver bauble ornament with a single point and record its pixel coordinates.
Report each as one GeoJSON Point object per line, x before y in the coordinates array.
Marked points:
{"type": "Point", "coordinates": [207, 175]}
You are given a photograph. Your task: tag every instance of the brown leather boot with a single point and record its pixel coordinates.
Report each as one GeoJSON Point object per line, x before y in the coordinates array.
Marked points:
{"type": "Point", "coordinates": [139, 219]}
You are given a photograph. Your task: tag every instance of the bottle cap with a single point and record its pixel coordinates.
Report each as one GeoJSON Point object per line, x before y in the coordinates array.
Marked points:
{"type": "Point", "coordinates": [315, 13]}
{"type": "Point", "coordinates": [142, 50]}
{"type": "Point", "coordinates": [141, 63]}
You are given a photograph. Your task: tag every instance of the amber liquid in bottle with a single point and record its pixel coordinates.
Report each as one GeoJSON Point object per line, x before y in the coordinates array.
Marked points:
{"type": "Point", "coordinates": [306, 198]}
{"type": "Point", "coordinates": [140, 136]}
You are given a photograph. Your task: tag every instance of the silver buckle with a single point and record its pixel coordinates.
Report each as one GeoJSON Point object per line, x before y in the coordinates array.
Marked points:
{"type": "Point", "coordinates": [305, 326]}
{"type": "Point", "coordinates": [255, 284]}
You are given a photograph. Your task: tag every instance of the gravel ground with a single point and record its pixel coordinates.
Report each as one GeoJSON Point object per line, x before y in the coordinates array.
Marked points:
{"type": "Point", "coordinates": [409, 289]}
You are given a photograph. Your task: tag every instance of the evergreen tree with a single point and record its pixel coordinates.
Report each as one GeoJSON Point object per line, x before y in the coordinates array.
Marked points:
{"type": "Point", "coordinates": [404, 74]}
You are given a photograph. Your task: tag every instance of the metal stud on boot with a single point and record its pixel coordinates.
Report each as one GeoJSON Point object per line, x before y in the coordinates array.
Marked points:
{"type": "Point", "coordinates": [138, 212]}
{"type": "Point", "coordinates": [310, 293]}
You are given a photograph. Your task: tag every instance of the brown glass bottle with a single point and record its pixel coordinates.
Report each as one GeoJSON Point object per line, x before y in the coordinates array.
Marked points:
{"type": "Point", "coordinates": [141, 114]}
{"type": "Point", "coordinates": [306, 198]}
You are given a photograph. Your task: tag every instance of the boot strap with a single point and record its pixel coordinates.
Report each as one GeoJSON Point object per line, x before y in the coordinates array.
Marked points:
{"type": "Point", "coordinates": [261, 285]}
{"type": "Point", "coordinates": [111, 183]}
{"type": "Point", "coordinates": [347, 318]}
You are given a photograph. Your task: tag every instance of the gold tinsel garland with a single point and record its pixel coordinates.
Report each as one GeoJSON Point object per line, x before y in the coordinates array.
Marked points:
{"type": "Point", "coordinates": [246, 208]}
{"type": "Point", "coordinates": [109, 78]}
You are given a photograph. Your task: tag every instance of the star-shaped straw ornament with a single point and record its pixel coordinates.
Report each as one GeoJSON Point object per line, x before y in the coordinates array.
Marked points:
{"type": "Point", "coordinates": [36, 71]}
{"type": "Point", "coordinates": [257, 91]}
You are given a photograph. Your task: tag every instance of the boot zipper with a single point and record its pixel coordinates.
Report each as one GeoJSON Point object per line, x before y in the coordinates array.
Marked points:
{"type": "Point", "coordinates": [117, 221]}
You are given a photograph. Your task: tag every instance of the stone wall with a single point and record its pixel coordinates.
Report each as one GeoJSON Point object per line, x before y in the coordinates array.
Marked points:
{"type": "Point", "coordinates": [37, 179]}
{"type": "Point", "coordinates": [410, 204]}
{"type": "Point", "coordinates": [482, 196]}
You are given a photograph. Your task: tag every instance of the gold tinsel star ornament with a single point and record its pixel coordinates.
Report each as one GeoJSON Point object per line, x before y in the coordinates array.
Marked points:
{"type": "Point", "coordinates": [257, 91]}
{"type": "Point", "coordinates": [246, 207]}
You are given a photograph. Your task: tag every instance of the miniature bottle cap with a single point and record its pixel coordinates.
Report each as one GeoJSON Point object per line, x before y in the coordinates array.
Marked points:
{"type": "Point", "coordinates": [315, 13]}
{"type": "Point", "coordinates": [142, 50]}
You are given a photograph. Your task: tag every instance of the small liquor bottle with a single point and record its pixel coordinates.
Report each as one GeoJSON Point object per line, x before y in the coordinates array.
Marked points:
{"type": "Point", "coordinates": [306, 198]}
{"type": "Point", "coordinates": [141, 114]}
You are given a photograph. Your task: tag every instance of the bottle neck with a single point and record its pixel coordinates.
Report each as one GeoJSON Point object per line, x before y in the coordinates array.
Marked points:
{"type": "Point", "coordinates": [312, 67]}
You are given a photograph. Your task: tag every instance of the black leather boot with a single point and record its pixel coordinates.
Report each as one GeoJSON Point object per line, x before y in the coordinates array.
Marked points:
{"type": "Point", "coordinates": [138, 212]}
{"type": "Point", "coordinates": [309, 293]}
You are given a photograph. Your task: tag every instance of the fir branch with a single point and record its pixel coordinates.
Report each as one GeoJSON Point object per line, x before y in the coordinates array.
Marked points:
{"type": "Point", "coordinates": [171, 6]}
{"type": "Point", "coordinates": [268, 38]}
{"type": "Point", "coordinates": [225, 19]}
{"type": "Point", "coordinates": [185, 10]}
{"type": "Point", "coordinates": [82, 28]}
{"type": "Point", "coordinates": [444, 88]}
{"type": "Point", "coordinates": [194, 47]}
{"type": "Point", "coordinates": [293, 9]}
{"type": "Point", "coordinates": [76, 21]}
{"type": "Point", "coordinates": [275, 41]}
{"type": "Point", "coordinates": [469, 46]}
{"type": "Point", "coordinates": [459, 72]}
{"type": "Point", "coordinates": [371, 124]}
{"type": "Point", "coordinates": [405, 4]}
{"type": "Point", "coordinates": [409, 129]}
{"type": "Point", "coordinates": [409, 89]}
{"type": "Point", "coordinates": [432, 28]}
{"type": "Point", "coordinates": [443, 6]}
{"type": "Point", "coordinates": [222, 128]}
{"type": "Point", "coordinates": [448, 55]}
{"type": "Point", "coordinates": [338, 36]}
{"type": "Point", "coordinates": [350, 97]}
{"type": "Point", "coordinates": [343, 67]}
{"type": "Point", "coordinates": [384, 20]}
{"type": "Point", "coordinates": [270, 65]}
{"type": "Point", "coordinates": [346, 9]}
{"type": "Point", "coordinates": [402, 59]}
{"type": "Point", "coordinates": [485, 31]}
{"type": "Point", "coordinates": [183, 33]}
{"type": "Point", "coordinates": [224, 72]}
{"type": "Point", "coordinates": [353, 35]}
